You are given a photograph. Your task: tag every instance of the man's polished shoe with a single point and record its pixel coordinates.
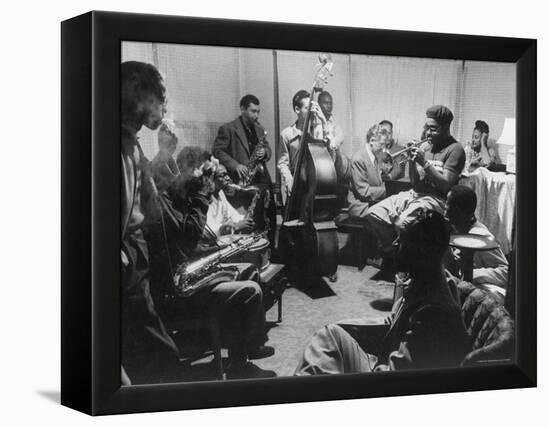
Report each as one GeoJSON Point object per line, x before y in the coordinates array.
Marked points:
{"type": "Point", "coordinates": [260, 352]}
{"type": "Point", "coordinates": [247, 370]}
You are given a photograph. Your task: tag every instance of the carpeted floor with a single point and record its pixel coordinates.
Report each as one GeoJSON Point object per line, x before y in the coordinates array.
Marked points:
{"type": "Point", "coordinates": [350, 297]}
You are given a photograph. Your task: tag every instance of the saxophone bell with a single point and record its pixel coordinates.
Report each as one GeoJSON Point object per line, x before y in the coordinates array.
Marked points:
{"type": "Point", "coordinates": [256, 165]}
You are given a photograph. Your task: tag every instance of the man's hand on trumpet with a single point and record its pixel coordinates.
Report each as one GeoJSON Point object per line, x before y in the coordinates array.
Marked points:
{"type": "Point", "coordinates": [418, 155]}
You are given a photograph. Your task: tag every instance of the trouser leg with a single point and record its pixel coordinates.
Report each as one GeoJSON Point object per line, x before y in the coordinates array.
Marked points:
{"type": "Point", "coordinates": [147, 349]}
{"type": "Point", "coordinates": [333, 351]}
{"type": "Point", "coordinates": [382, 217]}
{"type": "Point", "coordinates": [358, 209]}
{"type": "Point", "coordinates": [241, 307]}
{"type": "Point", "coordinates": [397, 211]}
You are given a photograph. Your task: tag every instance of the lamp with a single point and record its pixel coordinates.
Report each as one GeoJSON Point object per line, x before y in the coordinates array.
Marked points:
{"type": "Point", "coordinates": [508, 137]}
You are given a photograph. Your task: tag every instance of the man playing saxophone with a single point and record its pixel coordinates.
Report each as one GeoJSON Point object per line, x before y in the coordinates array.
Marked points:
{"type": "Point", "coordinates": [241, 139]}
{"type": "Point", "coordinates": [222, 218]}
{"type": "Point", "coordinates": [185, 188]}
{"type": "Point", "coordinates": [242, 147]}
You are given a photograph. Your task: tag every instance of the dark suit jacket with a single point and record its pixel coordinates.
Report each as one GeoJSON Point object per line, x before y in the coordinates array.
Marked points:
{"type": "Point", "coordinates": [398, 170]}
{"type": "Point", "coordinates": [366, 185]}
{"type": "Point", "coordinates": [231, 145]}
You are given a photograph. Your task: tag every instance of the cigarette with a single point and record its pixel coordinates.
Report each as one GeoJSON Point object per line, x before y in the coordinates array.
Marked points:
{"type": "Point", "coordinates": [169, 123]}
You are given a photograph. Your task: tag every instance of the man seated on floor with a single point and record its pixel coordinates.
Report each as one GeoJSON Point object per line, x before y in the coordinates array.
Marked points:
{"type": "Point", "coordinates": [185, 188]}
{"type": "Point", "coordinates": [366, 184]}
{"type": "Point", "coordinates": [490, 267]}
{"type": "Point", "coordinates": [434, 167]}
{"type": "Point", "coordinates": [426, 329]}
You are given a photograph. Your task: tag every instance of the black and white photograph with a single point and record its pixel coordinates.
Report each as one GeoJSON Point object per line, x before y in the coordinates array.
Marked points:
{"type": "Point", "coordinates": [274, 213]}
{"type": "Point", "coordinates": [296, 213]}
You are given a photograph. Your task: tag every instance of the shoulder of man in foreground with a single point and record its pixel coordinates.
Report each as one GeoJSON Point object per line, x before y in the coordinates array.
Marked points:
{"type": "Point", "coordinates": [481, 230]}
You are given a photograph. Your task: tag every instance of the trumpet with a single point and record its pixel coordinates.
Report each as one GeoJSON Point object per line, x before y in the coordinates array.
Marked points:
{"type": "Point", "coordinates": [406, 150]}
{"type": "Point", "coordinates": [388, 159]}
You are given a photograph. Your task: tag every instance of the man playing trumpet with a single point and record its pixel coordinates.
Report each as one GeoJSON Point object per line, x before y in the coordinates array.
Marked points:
{"type": "Point", "coordinates": [433, 171]}
{"type": "Point", "coordinates": [238, 140]}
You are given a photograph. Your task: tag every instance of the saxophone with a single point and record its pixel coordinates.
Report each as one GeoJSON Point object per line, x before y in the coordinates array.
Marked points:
{"type": "Point", "coordinates": [252, 206]}
{"type": "Point", "coordinates": [207, 271]}
{"type": "Point", "coordinates": [255, 166]}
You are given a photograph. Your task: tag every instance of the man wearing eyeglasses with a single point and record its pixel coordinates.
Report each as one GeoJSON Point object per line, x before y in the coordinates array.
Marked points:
{"type": "Point", "coordinates": [434, 168]}
{"type": "Point", "coordinates": [366, 184]}
{"type": "Point", "coordinates": [174, 232]}
{"type": "Point", "coordinates": [398, 167]}
{"type": "Point", "coordinates": [222, 217]}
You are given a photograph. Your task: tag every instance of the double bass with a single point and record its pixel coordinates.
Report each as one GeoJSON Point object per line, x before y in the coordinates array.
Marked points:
{"type": "Point", "coordinates": [308, 235]}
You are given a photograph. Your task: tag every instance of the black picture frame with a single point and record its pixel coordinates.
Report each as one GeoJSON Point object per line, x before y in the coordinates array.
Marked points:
{"type": "Point", "coordinates": [90, 295]}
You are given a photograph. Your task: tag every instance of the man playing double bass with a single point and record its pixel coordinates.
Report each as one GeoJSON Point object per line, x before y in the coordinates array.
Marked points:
{"type": "Point", "coordinates": [323, 128]}
{"type": "Point", "coordinates": [308, 231]}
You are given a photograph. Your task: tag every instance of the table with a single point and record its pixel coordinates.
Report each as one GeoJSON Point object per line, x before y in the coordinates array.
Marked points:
{"type": "Point", "coordinates": [496, 197]}
{"type": "Point", "coordinates": [468, 244]}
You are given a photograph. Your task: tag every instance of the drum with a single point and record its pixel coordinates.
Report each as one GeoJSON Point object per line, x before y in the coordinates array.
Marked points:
{"type": "Point", "coordinates": [259, 254]}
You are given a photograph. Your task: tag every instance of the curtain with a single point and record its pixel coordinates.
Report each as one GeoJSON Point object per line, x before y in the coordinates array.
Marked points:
{"type": "Point", "coordinates": [205, 84]}
{"type": "Point", "coordinates": [489, 95]}
{"type": "Point", "coordinates": [296, 71]}
{"type": "Point", "coordinates": [400, 90]}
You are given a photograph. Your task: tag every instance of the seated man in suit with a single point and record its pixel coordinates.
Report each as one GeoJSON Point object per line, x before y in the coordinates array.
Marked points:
{"type": "Point", "coordinates": [434, 168]}
{"type": "Point", "coordinates": [185, 188]}
{"type": "Point", "coordinates": [366, 184]}
{"type": "Point", "coordinates": [398, 167]}
{"type": "Point", "coordinates": [490, 267]}
{"type": "Point", "coordinates": [426, 329]}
